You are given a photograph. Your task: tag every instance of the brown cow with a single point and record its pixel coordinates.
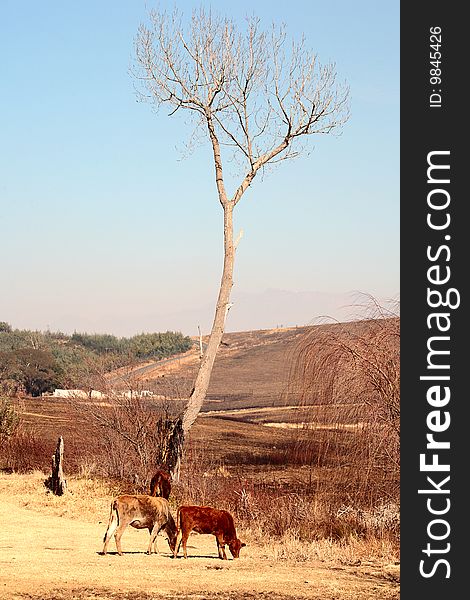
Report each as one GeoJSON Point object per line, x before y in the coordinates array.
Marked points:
{"type": "Point", "coordinates": [160, 485]}
{"type": "Point", "coordinates": [204, 519]}
{"type": "Point", "coordinates": [141, 512]}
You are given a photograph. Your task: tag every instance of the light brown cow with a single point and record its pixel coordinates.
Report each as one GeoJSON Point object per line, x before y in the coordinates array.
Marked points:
{"type": "Point", "coordinates": [141, 512]}
{"type": "Point", "coordinates": [204, 519]}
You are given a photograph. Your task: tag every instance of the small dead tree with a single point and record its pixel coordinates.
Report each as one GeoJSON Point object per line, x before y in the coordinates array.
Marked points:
{"type": "Point", "coordinates": [127, 429]}
{"type": "Point", "coordinates": [254, 95]}
{"type": "Point", "coordinates": [56, 482]}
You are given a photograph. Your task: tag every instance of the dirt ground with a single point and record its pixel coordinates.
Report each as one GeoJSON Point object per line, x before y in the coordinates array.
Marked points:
{"type": "Point", "coordinates": [56, 558]}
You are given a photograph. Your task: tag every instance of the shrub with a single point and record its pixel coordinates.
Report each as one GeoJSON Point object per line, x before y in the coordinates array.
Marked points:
{"type": "Point", "coordinates": [348, 377]}
{"type": "Point", "coordinates": [23, 452]}
{"type": "Point", "coordinates": [9, 419]}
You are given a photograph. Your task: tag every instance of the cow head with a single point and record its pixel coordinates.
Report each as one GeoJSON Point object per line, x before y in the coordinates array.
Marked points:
{"type": "Point", "coordinates": [235, 546]}
{"type": "Point", "coordinates": [171, 539]}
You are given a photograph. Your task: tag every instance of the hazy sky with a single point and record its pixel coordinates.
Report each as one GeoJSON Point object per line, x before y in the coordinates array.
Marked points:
{"type": "Point", "coordinates": [107, 226]}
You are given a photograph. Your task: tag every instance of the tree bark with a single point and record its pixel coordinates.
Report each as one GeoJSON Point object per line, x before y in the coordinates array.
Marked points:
{"type": "Point", "coordinates": [201, 384]}
{"type": "Point", "coordinates": [170, 446]}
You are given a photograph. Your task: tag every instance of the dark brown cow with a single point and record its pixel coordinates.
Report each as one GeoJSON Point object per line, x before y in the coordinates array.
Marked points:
{"type": "Point", "coordinates": [204, 519]}
{"type": "Point", "coordinates": [141, 512]}
{"type": "Point", "coordinates": [160, 485]}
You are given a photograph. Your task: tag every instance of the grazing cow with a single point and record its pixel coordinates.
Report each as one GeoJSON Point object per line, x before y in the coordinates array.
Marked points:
{"type": "Point", "coordinates": [204, 519]}
{"type": "Point", "coordinates": [160, 485]}
{"type": "Point", "coordinates": [141, 512]}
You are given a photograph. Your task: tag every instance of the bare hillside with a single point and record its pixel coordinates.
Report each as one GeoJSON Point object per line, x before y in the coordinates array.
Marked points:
{"type": "Point", "coordinates": [251, 370]}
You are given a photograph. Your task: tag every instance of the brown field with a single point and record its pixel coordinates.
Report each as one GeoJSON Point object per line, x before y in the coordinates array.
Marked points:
{"type": "Point", "coordinates": [249, 384]}
{"type": "Point", "coordinates": [50, 550]}
{"type": "Point", "coordinates": [249, 380]}
{"type": "Point", "coordinates": [49, 546]}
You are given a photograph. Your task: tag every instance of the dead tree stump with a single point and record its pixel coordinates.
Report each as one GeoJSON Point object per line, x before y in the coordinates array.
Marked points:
{"type": "Point", "coordinates": [56, 482]}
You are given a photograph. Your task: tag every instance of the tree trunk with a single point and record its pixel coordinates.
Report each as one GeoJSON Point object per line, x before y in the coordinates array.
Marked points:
{"type": "Point", "coordinates": [201, 385]}
{"type": "Point", "coordinates": [56, 482]}
{"type": "Point", "coordinates": [170, 446]}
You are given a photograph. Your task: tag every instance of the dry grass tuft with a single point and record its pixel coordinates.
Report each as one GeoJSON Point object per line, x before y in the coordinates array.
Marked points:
{"type": "Point", "coordinates": [352, 551]}
{"type": "Point", "coordinates": [87, 499]}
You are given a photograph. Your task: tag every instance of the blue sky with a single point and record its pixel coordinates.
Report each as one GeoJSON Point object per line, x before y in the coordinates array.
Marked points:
{"type": "Point", "coordinates": [106, 226]}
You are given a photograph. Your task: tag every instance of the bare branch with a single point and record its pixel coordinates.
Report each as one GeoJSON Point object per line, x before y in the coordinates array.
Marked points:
{"type": "Point", "coordinates": [253, 92]}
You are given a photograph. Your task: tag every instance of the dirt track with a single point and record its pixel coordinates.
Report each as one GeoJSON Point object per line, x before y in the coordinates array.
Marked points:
{"type": "Point", "coordinates": [55, 558]}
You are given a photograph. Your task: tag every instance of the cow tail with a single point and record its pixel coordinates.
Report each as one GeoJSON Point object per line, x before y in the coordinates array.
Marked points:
{"type": "Point", "coordinates": [113, 511]}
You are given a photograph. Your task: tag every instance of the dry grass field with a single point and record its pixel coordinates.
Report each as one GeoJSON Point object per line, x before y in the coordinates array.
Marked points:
{"type": "Point", "coordinates": [249, 452]}
{"type": "Point", "coordinates": [50, 550]}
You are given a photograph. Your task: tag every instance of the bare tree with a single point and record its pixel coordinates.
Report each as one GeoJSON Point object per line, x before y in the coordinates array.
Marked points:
{"type": "Point", "coordinates": [254, 94]}
{"type": "Point", "coordinates": [130, 430]}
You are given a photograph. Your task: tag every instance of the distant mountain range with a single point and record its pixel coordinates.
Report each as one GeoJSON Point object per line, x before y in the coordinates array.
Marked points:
{"type": "Point", "coordinates": [250, 311]}
{"type": "Point", "coordinates": [269, 309]}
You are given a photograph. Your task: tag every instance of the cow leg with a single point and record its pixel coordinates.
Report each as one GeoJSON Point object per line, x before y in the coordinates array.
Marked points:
{"type": "Point", "coordinates": [184, 539]}
{"type": "Point", "coordinates": [117, 538]}
{"type": "Point", "coordinates": [221, 548]}
{"type": "Point", "coordinates": [153, 538]}
{"type": "Point", "coordinates": [177, 543]}
{"type": "Point", "coordinates": [118, 535]}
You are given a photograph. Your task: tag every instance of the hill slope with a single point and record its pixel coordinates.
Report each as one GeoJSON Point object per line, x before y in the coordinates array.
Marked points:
{"type": "Point", "coordinates": [251, 370]}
